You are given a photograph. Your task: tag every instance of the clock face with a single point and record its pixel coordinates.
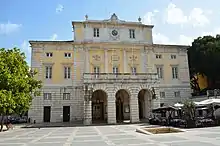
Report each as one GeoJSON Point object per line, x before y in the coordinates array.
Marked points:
{"type": "Point", "coordinates": [114, 32]}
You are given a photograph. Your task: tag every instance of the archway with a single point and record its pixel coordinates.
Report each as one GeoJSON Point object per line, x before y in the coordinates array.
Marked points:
{"type": "Point", "coordinates": [122, 106]}
{"type": "Point", "coordinates": [144, 104]}
{"type": "Point", "coordinates": [99, 106]}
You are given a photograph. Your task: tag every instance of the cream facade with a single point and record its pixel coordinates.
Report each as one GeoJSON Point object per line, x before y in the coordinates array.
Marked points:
{"type": "Point", "coordinates": [112, 72]}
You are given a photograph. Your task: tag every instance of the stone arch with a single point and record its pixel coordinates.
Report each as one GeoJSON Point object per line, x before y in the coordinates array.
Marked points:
{"type": "Point", "coordinates": [122, 103]}
{"type": "Point", "coordinates": [144, 103]}
{"type": "Point", "coordinates": [100, 87]}
{"type": "Point", "coordinates": [99, 106]}
{"type": "Point", "coordinates": [126, 88]}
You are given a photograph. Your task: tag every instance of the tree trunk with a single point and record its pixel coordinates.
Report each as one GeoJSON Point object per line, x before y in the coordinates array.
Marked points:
{"type": "Point", "coordinates": [2, 122]}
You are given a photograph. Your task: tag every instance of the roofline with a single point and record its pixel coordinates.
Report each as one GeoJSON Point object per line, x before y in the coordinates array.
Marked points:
{"type": "Point", "coordinates": [36, 41]}
{"type": "Point", "coordinates": [106, 43]}
{"type": "Point", "coordinates": [103, 22]}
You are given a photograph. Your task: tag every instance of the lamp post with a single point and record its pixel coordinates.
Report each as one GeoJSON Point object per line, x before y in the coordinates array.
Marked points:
{"type": "Point", "coordinates": [153, 93]}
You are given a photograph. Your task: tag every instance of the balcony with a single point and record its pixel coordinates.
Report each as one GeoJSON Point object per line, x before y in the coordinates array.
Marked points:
{"type": "Point", "coordinates": [100, 78]}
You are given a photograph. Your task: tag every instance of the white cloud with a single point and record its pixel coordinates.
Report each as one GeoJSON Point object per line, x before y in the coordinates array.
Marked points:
{"type": "Point", "coordinates": [8, 28]}
{"type": "Point", "coordinates": [54, 37]}
{"type": "Point", "coordinates": [149, 17]}
{"type": "Point", "coordinates": [159, 38]}
{"type": "Point", "coordinates": [196, 17]}
{"type": "Point", "coordinates": [175, 15]}
{"type": "Point", "coordinates": [59, 8]}
{"type": "Point", "coordinates": [25, 47]}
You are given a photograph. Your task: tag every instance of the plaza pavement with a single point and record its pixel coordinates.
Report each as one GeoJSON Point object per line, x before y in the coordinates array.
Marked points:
{"type": "Point", "coordinates": [114, 135]}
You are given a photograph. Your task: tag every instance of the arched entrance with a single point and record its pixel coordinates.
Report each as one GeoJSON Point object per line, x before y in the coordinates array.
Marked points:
{"type": "Point", "coordinates": [122, 106]}
{"type": "Point", "coordinates": [144, 103]}
{"type": "Point", "coordinates": [99, 106]}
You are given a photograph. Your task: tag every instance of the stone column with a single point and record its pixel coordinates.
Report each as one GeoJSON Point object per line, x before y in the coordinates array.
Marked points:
{"type": "Point", "coordinates": [125, 60]}
{"type": "Point", "coordinates": [134, 110]}
{"type": "Point", "coordinates": [87, 112]}
{"type": "Point", "coordinates": [106, 60]}
{"type": "Point", "coordinates": [111, 107]}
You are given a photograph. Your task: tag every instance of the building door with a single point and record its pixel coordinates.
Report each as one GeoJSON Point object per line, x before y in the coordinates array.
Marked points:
{"type": "Point", "coordinates": [47, 111]}
{"type": "Point", "coordinates": [66, 113]}
{"type": "Point", "coordinates": [119, 111]}
{"type": "Point", "coordinates": [97, 111]}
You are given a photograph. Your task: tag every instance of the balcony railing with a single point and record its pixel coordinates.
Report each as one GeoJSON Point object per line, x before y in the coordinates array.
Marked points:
{"type": "Point", "coordinates": [120, 77]}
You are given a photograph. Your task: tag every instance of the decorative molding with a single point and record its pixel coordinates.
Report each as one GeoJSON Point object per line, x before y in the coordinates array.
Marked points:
{"type": "Point", "coordinates": [133, 58]}
{"type": "Point", "coordinates": [49, 63]}
{"type": "Point", "coordinates": [115, 58]}
{"type": "Point", "coordinates": [96, 57]}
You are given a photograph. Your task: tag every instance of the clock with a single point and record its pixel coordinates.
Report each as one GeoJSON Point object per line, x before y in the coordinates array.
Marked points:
{"type": "Point", "coordinates": [114, 32]}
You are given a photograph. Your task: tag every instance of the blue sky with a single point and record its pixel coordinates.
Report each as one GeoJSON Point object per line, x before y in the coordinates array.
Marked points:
{"type": "Point", "coordinates": [176, 21]}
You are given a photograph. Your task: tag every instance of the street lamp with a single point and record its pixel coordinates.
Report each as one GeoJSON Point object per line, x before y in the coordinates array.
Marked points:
{"type": "Point", "coordinates": [153, 93]}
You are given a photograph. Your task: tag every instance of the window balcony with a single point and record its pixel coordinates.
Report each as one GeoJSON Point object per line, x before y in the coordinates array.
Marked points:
{"type": "Point", "coordinates": [120, 78]}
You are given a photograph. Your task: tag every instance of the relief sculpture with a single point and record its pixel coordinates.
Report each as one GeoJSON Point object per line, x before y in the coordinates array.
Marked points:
{"type": "Point", "coordinates": [96, 57]}
{"type": "Point", "coordinates": [133, 58]}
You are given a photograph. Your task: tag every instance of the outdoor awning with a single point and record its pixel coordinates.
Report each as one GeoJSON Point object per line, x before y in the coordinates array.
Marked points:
{"type": "Point", "coordinates": [167, 108]}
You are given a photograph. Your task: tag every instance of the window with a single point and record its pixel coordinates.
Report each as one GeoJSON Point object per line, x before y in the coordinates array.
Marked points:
{"type": "Point", "coordinates": [133, 70]}
{"type": "Point", "coordinates": [96, 32]}
{"type": "Point", "coordinates": [96, 71]}
{"type": "Point", "coordinates": [66, 96]}
{"type": "Point", "coordinates": [49, 54]}
{"type": "Point", "coordinates": [162, 94]}
{"type": "Point", "coordinates": [48, 72]}
{"type": "Point", "coordinates": [47, 96]}
{"type": "Point", "coordinates": [175, 72]}
{"type": "Point", "coordinates": [115, 70]}
{"type": "Point", "coordinates": [132, 33]}
{"type": "Point", "coordinates": [177, 94]}
{"type": "Point", "coordinates": [67, 55]}
{"type": "Point", "coordinates": [67, 72]}
{"type": "Point", "coordinates": [158, 56]}
{"type": "Point", "coordinates": [160, 72]}
{"type": "Point", "coordinates": [173, 56]}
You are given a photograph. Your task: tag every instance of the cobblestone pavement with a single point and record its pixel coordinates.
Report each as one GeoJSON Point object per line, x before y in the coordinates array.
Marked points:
{"type": "Point", "coordinates": [118, 135]}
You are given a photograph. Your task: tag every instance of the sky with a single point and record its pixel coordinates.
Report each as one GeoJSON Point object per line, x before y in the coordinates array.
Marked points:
{"type": "Point", "coordinates": [175, 21]}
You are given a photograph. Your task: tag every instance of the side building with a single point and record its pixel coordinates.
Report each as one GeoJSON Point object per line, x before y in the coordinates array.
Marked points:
{"type": "Point", "coordinates": [111, 72]}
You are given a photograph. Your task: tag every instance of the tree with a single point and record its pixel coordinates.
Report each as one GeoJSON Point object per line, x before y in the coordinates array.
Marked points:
{"type": "Point", "coordinates": [17, 83]}
{"type": "Point", "coordinates": [204, 57]}
{"type": "Point", "coordinates": [189, 109]}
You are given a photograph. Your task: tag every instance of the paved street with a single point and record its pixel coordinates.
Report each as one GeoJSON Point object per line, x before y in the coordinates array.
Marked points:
{"type": "Point", "coordinates": [119, 135]}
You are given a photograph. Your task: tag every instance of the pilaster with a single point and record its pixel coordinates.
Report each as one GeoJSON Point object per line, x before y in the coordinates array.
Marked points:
{"type": "Point", "coordinates": [125, 60]}
{"type": "Point", "coordinates": [134, 110]}
{"type": "Point", "coordinates": [86, 60]}
{"type": "Point", "coordinates": [87, 113]}
{"type": "Point", "coordinates": [111, 107]}
{"type": "Point", "coordinates": [106, 60]}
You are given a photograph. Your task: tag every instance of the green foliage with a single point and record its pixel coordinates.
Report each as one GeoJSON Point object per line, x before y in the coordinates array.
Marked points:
{"type": "Point", "coordinates": [17, 82]}
{"type": "Point", "coordinates": [204, 56]}
{"type": "Point", "coordinates": [189, 109]}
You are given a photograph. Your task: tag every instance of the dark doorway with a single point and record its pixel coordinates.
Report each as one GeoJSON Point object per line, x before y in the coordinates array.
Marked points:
{"type": "Point", "coordinates": [66, 113]}
{"type": "Point", "coordinates": [97, 112]}
{"type": "Point", "coordinates": [140, 104]}
{"type": "Point", "coordinates": [119, 111]}
{"type": "Point", "coordinates": [47, 111]}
